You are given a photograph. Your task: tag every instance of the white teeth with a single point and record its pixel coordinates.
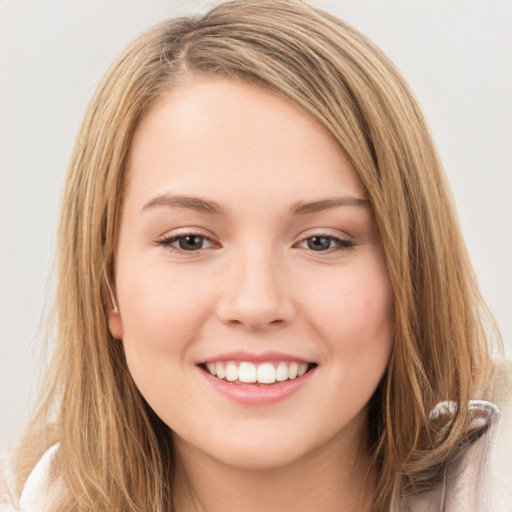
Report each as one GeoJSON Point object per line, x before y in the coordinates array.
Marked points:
{"type": "Point", "coordinates": [231, 372]}
{"type": "Point", "coordinates": [264, 373]}
{"type": "Point", "coordinates": [303, 367]}
{"type": "Point", "coordinates": [282, 372]}
{"type": "Point", "coordinates": [293, 370]}
{"type": "Point", "coordinates": [220, 370]}
{"type": "Point", "coordinates": [212, 368]}
{"type": "Point", "coordinates": [247, 372]}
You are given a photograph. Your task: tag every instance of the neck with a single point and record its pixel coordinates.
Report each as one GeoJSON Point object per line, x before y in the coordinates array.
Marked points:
{"type": "Point", "coordinates": [326, 480]}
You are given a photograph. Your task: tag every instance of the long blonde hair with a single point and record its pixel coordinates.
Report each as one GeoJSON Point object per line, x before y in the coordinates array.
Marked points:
{"type": "Point", "coordinates": [115, 454]}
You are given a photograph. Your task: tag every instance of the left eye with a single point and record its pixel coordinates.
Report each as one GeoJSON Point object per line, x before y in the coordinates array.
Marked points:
{"type": "Point", "coordinates": [187, 243]}
{"type": "Point", "coordinates": [322, 243]}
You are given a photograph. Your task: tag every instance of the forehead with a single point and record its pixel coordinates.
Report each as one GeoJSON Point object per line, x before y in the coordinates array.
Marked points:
{"type": "Point", "coordinates": [225, 137]}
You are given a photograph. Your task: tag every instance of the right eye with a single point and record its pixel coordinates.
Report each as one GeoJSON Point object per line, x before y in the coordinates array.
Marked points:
{"type": "Point", "coordinates": [189, 242]}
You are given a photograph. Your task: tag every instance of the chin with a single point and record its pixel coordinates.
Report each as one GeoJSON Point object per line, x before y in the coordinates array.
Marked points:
{"type": "Point", "coordinates": [263, 447]}
{"type": "Point", "coordinates": [260, 458]}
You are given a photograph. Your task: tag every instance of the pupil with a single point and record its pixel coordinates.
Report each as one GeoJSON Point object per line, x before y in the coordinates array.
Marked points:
{"type": "Point", "coordinates": [191, 242]}
{"type": "Point", "coordinates": [319, 243]}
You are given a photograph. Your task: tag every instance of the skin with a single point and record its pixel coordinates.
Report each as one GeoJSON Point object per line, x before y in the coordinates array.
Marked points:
{"type": "Point", "coordinates": [252, 283]}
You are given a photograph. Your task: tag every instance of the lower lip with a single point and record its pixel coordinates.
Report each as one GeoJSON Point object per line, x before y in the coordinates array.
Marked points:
{"type": "Point", "coordinates": [257, 394]}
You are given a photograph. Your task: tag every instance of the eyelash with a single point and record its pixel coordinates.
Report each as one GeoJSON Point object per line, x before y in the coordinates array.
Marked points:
{"type": "Point", "coordinates": [336, 243]}
{"type": "Point", "coordinates": [167, 242]}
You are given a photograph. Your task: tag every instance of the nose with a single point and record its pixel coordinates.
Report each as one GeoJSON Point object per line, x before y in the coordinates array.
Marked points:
{"type": "Point", "coordinates": [254, 294]}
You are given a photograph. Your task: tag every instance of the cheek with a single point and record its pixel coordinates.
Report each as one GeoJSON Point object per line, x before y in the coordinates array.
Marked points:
{"type": "Point", "coordinates": [353, 315]}
{"type": "Point", "coordinates": [161, 318]}
{"type": "Point", "coordinates": [357, 324]}
{"type": "Point", "coordinates": [160, 312]}
{"type": "Point", "coordinates": [354, 308]}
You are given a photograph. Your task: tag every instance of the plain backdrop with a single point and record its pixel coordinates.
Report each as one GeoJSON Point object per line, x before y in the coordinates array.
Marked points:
{"type": "Point", "coordinates": [456, 54]}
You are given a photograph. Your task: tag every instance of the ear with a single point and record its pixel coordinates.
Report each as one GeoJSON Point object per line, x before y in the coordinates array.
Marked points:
{"type": "Point", "coordinates": [115, 324]}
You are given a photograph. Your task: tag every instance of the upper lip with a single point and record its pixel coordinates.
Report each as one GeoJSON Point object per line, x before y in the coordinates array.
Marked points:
{"type": "Point", "coordinates": [242, 355]}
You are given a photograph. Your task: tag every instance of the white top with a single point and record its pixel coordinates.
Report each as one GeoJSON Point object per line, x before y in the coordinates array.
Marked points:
{"type": "Point", "coordinates": [38, 494]}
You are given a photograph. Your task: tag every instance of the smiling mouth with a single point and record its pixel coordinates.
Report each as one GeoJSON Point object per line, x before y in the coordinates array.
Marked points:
{"type": "Point", "coordinates": [245, 372]}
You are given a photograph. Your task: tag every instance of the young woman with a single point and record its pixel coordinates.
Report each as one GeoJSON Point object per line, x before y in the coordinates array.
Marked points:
{"type": "Point", "coordinates": [263, 292]}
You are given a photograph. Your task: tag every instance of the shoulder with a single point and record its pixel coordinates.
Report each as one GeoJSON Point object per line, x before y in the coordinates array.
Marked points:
{"type": "Point", "coordinates": [502, 476]}
{"type": "Point", "coordinates": [40, 492]}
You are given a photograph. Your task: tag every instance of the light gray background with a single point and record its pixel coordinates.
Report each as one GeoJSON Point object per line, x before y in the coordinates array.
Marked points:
{"type": "Point", "coordinates": [457, 55]}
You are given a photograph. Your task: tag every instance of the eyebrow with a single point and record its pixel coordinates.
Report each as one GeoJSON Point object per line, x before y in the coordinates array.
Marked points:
{"type": "Point", "coordinates": [302, 207]}
{"type": "Point", "coordinates": [299, 208]}
{"type": "Point", "coordinates": [192, 203]}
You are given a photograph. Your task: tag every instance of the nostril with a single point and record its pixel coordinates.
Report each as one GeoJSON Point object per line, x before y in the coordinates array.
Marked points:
{"type": "Point", "coordinates": [256, 323]}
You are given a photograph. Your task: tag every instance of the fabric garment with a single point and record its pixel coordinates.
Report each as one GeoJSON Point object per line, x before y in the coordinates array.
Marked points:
{"type": "Point", "coordinates": [466, 483]}
{"type": "Point", "coordinates": [39, 493]}
{"type": "Point", "coordinates": [458, 495]}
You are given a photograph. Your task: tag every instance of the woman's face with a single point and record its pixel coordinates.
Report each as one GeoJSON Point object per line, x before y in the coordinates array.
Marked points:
{"type": "Point", "coordinates": [255, 308]}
